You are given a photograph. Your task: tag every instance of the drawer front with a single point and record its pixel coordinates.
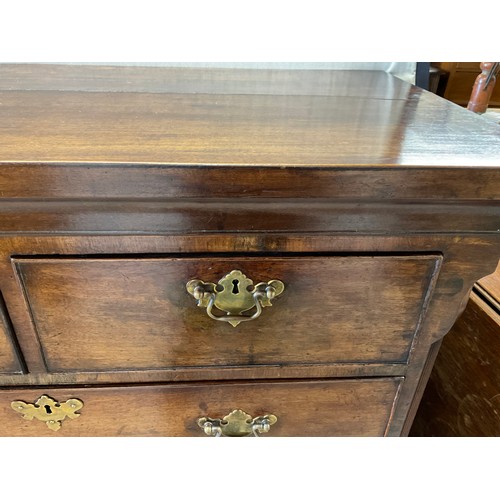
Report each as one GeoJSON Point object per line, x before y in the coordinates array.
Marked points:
{"type": "Point", "coordinates": [133, 314]}
{"type": "Point", "coordinates": [359, 407]}
{"type": "Point", "coordinates": [9, 361]}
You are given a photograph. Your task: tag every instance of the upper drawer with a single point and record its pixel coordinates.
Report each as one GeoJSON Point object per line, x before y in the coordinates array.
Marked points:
{"type": "Point", "coordinates": [100, 314]}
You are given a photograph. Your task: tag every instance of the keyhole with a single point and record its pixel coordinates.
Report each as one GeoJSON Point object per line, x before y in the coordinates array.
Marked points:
{"type": "Point", "coordinates": [235, 287]}
{"type": "Point", "coordinates": [48, 409]}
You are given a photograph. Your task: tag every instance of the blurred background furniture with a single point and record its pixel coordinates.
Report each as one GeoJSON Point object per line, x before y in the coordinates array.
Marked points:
{"type": "Point", "coordinates": [483, 88]}
{"type": "Point", "coordinates": [456, 81]}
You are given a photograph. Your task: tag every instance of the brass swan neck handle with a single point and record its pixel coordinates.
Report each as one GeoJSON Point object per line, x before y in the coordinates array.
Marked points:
{"type": "Point", "coordinates": [237, 424]}
{"type": "Point", "coordinates": [234, 295]}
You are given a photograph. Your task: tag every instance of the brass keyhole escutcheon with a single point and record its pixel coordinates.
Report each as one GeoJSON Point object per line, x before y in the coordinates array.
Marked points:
{"type": "Point", "coordinates": [233, 296]}
{"type": "Point", "coordinates": [48, 410]}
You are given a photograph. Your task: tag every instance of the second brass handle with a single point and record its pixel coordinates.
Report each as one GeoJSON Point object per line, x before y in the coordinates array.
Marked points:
{"type": "Point", "coordinates": [234, 295]}
{"type": "Point", "coordinates": [237, 424]}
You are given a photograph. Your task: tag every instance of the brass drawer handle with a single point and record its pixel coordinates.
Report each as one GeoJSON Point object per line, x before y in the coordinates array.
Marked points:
{"type": "Point", "coordinates": [234, 294]}
{"type": "Point", "coordinates": [48, 410]}
{"type": "Point", "coordinates": [236, 424]}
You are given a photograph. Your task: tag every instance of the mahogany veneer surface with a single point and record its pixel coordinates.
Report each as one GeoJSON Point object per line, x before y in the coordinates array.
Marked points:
{"type": "Point", "coordinates": [316, 408]}
{"type": "Point", "coordinates": [375, 202]}
{"type": "Point", "coordinates": [123, 314]}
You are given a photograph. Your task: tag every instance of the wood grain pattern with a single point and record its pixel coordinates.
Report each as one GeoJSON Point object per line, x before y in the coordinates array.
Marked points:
{"type": "Point", "coordinates": [307, 408]}
{"type": "Point", "coordinates": [262, 215]}
{"type": "Point", "coordinates": [331, 170]}
{"type": "Point", "coordinates": [447, 185]}
{"type": "Point", "coordinates": [209, 373]}
{"type": "Point", "coordinates": [467, 259]}
{"type": "Point", "coordinates": [122, 314]}
{"type": "Point", "coordinates": [240, 130]}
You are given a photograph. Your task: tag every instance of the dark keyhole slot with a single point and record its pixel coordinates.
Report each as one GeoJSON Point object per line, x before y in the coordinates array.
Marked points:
{"type": "Point", "coordinates": [235, 287]}
{"type": "Point", "coordinates": [48, 410]}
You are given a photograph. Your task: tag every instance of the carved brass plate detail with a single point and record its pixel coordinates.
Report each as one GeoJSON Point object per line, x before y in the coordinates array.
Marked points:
{"type": "Point", "coordinates": [234, 295]}
{"type": "Point", "coordinates": [48, 410]}
{"type": "Point", "coordinates": [236, 424]}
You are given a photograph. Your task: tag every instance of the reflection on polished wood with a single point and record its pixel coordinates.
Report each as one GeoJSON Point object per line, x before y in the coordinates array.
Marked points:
{"type": "Point", "coordinates": [165, 80]}
{"type": "Point", "coordinates": [373, 201]}
{"type": "Point", "coordinates": [230, 126]}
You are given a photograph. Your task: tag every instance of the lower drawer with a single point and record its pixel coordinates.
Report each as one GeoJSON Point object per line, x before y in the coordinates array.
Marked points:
{"type": "Point", "coordinates": [340, 407]}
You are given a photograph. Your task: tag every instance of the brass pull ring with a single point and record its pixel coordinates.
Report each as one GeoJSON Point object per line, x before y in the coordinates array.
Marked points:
{"type": "Point", "coordinates": [234, 295]}
{"type": "Point", "coordinates": [237, 424]}
{"type": "Point", "coordinates": [235, 320]}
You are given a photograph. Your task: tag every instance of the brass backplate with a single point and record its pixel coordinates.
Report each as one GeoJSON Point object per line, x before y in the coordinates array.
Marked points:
{"type": "Point", "coordinates": [234, 294]}
{"type": "Point", "coordinates": [48, 410]}
{"type": "Point", "coordinates": [237, 424]}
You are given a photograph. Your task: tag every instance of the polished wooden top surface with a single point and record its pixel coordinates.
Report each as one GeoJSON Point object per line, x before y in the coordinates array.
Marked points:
{"type": "Point", "coordinates": [72, 114]}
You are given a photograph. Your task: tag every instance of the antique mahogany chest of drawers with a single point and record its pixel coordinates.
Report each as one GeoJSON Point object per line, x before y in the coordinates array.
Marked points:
{"type": "Point", "coordinates": [232, 252]}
